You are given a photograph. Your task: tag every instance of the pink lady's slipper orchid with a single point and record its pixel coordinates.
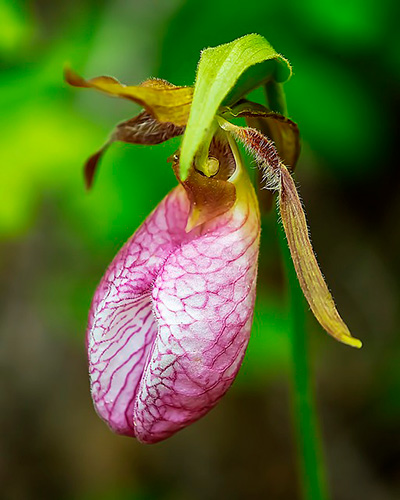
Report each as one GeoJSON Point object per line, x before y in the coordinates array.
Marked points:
{"type": "Point", "coordinates": [170, 321]}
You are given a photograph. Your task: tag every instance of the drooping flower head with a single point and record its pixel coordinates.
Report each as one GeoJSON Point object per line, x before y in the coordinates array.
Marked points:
{"type": "Point", "coordinates": [171, 319]}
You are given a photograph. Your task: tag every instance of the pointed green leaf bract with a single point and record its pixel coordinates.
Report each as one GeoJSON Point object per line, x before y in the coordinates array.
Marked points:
{"type": "Point", "coordinates": [219, 70]}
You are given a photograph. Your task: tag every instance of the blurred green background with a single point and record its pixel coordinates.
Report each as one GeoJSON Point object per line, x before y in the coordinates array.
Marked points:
{"type": "Point", "coordinates": [57, 240]}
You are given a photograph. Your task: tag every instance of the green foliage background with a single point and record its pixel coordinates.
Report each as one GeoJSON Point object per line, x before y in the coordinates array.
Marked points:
{"type": "Point", "coordinates": [57, 240]}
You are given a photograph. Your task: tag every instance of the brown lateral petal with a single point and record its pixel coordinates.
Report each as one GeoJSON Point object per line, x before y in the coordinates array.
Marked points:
{"type": "Point", "coordinates": [145, 129]}
{"type": "Point", "coordinates": [263, 150]}
{"type": "Point", "coordinates": [283, 131]}
{"type": "Point", "coordinates": [164, 101]}
{"type": "Point", "coordinates": [308, 272]}
{"type": "Point", "coordinates": [92, 164]}
{"type": "Point", "coordinates": [277, 177]}
{"type": "Point", "coordinates": [142, 129]}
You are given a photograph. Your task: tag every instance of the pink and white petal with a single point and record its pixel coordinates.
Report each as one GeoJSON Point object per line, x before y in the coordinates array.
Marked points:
{"type": "Point", "coordinates": [122, 326]}
{"type": "Point", "coordinates": [203, 299]}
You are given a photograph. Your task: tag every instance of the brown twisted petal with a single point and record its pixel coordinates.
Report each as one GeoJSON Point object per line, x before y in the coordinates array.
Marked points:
{"type": "Point", "coordinates": [294, 222]}
{"type": "Point", "coordinates": [145, 129]}
{"type": "Point", "coordinates": [142, 129]}
{"type": "Point", "coordinates": [308, 272]}
{"type": "Point", "coordinates": [283, 132]}
{"type": "Point", "coordinates": [163, 100]}
{"type": "Point", "coordinates": [280, 129]}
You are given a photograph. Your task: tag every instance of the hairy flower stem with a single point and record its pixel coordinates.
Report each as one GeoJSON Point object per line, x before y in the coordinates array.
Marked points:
{"type": "Point", "coordinates": [309, 446]}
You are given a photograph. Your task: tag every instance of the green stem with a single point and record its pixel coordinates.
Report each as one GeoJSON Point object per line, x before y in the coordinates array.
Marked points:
{"type": "Point", "coordinates": [311, 461]}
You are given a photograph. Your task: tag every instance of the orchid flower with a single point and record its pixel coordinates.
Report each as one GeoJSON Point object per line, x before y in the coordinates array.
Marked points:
{"type": "Point", "coordinates": [171, 319]}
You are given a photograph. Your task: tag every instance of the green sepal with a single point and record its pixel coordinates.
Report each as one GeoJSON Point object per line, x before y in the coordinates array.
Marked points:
{"type": "Point", "coordinates": [220, 69]}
